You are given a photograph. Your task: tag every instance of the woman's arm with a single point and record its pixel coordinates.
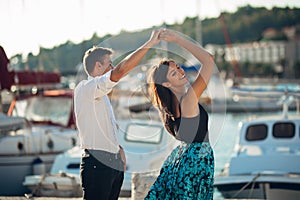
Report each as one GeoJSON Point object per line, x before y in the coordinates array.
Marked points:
{"type": "Point", "coordinates": [194, 93]}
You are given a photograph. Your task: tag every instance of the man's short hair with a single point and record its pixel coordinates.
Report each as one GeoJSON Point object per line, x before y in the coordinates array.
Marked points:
{"type": "Point", "coordinates": [93, 55]}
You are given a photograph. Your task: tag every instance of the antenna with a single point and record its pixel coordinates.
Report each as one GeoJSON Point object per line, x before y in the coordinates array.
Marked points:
{"type": "Point", "coordinates": [285, 100]}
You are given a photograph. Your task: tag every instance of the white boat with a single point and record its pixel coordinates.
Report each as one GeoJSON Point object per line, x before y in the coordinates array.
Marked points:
{"type": "Point", "coordinates": [263, 90]}
{"type": "Point", "coordinates": [38, 126]}
{"type": "Point", "coordinates": [146, 146]}
{"type": "Point", "coordinates": [266, 161]}
{"type": "Point", "coordinates": [258, 99]}
{"type": "Point", "coordinates": [30, 142]}
{"type": "Point", "coordinates": [245, 105]}
{"type": "Point", "coordinates": [54, 185]}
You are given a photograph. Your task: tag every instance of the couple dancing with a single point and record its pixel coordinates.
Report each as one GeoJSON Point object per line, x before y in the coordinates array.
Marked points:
{"type": "Point", "coordinates": [188, 171]}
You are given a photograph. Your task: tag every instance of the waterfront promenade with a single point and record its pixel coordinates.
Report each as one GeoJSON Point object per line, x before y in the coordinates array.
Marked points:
{"type": "Point", "coordinates": [45, 198]}
{"type": "Point", "coordinates": [53, 198]}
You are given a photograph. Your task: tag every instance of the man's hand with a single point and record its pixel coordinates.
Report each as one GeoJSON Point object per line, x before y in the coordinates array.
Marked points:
{"type": "Point", "coordinates": [123, 157]}
{"type": "Point", "coordinates": [154, 38]}
{"type": "Point", "coordinates": [169, 36]}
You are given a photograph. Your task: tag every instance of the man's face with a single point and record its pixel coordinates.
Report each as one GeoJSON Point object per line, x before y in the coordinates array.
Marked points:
{"type": "Point", "coordinates": [106, 64]}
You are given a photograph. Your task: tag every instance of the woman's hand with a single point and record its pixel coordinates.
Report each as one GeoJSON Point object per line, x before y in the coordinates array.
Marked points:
{"type": "Point", "coordinates": [154, 38]}
{"type": "Point", "coordinates": [169, 36]}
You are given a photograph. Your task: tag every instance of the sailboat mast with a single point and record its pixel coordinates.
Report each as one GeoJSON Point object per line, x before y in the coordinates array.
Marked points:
{"type": "Point", "coordinates": [164, 44]}
{"type": "Point", "coordinates": [198, 23]}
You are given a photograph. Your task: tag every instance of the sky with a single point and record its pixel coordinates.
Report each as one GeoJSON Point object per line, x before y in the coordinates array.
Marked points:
{"type": "Point", "coordinates": [27, 25]}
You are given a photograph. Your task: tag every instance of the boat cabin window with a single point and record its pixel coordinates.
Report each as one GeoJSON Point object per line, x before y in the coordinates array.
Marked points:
{"type": "Point", "coordinates": [283, 130]}
{"type": "Point", "coordinates": [257, 132]}
{"type": "Point", "coordinates": [73, 166]}
{"type": "Point", "coordinates": [12, 126]}
{"type": "Point", "coordinates": [144, 133]}
{"type": "Point", "coordinates": [45, 109]}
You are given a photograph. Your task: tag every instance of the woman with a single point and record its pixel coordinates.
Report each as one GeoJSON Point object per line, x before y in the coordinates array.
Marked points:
{"type": "Point", "coordinates": [189, 170]}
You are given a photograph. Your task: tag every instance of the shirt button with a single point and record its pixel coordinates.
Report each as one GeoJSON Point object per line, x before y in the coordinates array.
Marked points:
{"type": "Point", "coordinates": [95, 166]}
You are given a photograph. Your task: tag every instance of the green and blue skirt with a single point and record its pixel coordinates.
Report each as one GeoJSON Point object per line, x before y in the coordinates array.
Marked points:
{"type": "Point", "coordinates": [187, 173]}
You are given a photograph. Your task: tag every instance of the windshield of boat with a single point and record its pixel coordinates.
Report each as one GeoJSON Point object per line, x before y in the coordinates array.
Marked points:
{"type": "Point", "coordinates": [51, 110]}
{"type": "Point", "coordinates": [143, 133]}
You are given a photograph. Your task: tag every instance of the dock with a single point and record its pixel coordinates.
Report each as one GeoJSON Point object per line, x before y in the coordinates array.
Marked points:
{"type": "Point", "coordinates": [45, 198]}
{"type": "Point", "coordinates": [55, 198]}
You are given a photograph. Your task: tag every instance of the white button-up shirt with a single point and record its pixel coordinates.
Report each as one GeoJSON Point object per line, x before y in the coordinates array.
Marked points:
{"type": "Point", "coordinates": [94, 115]}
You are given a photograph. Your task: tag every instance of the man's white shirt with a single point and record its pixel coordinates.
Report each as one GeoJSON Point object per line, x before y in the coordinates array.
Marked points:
{"type": "Point", "coordinates": [94, 115]}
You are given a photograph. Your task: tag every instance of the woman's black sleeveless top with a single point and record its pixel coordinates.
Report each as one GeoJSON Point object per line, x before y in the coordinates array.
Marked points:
{"type": "Point", "coordinates": [194, 129]}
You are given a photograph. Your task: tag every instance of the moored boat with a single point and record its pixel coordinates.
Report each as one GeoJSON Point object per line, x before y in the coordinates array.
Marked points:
{"type": "Point", "coordinates": [266, 163]}
{"type": "Point", "coordinates": [146, 144]}
{"type": "Point", "coordinates": [46, 130]}
{"type": "Point", "coordinates": [54, 185]}
{"type": "Point", "coordinates": [37, 126]}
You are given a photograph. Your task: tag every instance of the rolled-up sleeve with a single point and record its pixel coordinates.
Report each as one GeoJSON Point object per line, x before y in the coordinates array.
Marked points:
{"type": "Point", "coordinates": [103, 84]}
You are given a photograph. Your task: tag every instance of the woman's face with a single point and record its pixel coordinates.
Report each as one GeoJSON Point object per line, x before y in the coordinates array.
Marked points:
{"type": "Point", "coordinates": [176, 75]}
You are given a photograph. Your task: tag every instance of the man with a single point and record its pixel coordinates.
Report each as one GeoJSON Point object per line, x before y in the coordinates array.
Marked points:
{"type": "Point", "coordinates": [103, 161]}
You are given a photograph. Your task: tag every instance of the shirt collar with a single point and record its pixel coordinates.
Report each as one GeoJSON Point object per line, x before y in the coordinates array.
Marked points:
{"type": "Point", "coordinates": [90, 77]}
{"type": "Point", "coordinates": [106, 74]}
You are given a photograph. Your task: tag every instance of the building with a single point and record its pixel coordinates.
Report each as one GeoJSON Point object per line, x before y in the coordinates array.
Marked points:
{"type": "Point", "coordinates": [269, 52]}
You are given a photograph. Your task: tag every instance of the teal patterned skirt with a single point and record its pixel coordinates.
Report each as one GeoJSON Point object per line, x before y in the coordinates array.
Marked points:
{"type": "Point", "coordinates": [188, 173]}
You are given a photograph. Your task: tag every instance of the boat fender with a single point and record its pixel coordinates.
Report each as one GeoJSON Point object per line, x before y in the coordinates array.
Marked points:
{"type": "Point", "coordinates": [20, 146]}
{"type": "Point", "coordinates": [73, 141]}
{"type": "Point", "coordinates": [38, 167]}
{"type": "Point", "coordinates": [50, 144]}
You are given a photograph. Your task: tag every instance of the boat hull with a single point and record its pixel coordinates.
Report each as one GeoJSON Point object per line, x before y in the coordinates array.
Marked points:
{"type": "Point", "coordinates": [13, 170]}
{"type": "Point", "coordinates": [259, 187]}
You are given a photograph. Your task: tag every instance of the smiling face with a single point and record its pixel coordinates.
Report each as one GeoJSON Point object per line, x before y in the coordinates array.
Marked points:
{"type": "Point", "coordinates": [166, 81]}
{"type": "Point", "coordinates": [176, 76]}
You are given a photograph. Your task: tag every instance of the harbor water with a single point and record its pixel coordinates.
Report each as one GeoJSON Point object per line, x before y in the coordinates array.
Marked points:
{"type": "Point", "coordinates": [225, 143]}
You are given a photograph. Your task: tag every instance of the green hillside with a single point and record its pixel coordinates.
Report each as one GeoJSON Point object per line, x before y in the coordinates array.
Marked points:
{"type": "Point", "coordinates": [245, 25]}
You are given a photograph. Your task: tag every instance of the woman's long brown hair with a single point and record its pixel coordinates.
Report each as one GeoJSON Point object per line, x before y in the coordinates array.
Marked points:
{"type": "Point", "coordinates": [162, 97]}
